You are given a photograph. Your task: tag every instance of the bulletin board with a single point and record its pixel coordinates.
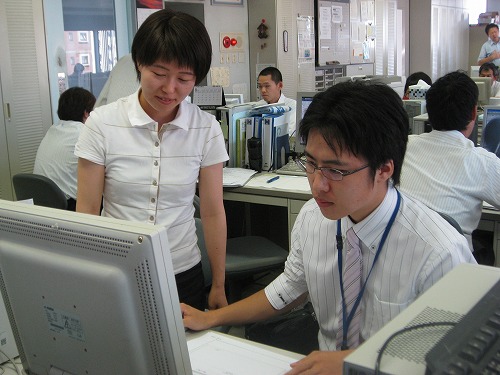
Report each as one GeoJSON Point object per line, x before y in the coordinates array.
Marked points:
{"type": "Point", "coordinates": [333, 32]}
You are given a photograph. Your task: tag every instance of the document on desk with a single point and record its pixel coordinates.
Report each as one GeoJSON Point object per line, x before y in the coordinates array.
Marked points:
{"type": "Point", "coordinates": [219, 354]}
{"type": "Point", "coordinates": [284, 182]}
{"type": "Point", "coordinates": [233, 177]}
{"type": "Point", "coordinates": [489, 206]}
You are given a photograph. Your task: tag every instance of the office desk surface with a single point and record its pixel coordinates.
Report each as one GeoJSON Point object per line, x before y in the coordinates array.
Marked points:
{"type": "Point", "coordinates": [236, 348]}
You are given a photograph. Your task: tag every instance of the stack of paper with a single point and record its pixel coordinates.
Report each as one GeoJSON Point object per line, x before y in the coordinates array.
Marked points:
{"type": "Point", "coordinates": [233, 177]}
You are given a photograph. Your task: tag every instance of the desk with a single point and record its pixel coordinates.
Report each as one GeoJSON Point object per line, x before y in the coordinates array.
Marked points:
{"type": "Point", "coordinates": [294, 199]}
{"type": "Point", "coordinates": [255, 354]}
{"type": "Point", "coordinates": [290, 199]}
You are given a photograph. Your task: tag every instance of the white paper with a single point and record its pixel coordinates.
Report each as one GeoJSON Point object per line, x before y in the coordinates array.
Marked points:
{"type": "Point", "coordinates": [284, 182]}
{"type": "Point", "coordinates": [232, 177]}
{"type": "Point", "coordinates": [215, 354]}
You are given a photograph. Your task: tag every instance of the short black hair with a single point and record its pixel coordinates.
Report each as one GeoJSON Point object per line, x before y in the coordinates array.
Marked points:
{"type": "Point", "coordinates": [366, 118]}
{"type": "Point", "coordinates": [74, 102]}
{"type": "Point", "coordinates": [489, 66]}
{"type": "Point", "coordinates": [451, 101]}
{"type": "Point", "coordinates": [171, 36]}
{"type": "Point", "coordinates": [273, 72]}
{"type": "Point", "coordinates": [415, 77]}
{"type": "Point", "coordinates": [490, 26]}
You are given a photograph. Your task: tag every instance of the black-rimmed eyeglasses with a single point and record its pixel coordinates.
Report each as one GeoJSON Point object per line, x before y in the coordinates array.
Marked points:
{"type": "Point", "coordinates": [329, 173]}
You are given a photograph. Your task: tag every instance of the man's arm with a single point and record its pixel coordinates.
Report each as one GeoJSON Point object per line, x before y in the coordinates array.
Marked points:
{"type": "Point", "coordinates": [493, 56]}
{"type": "Point", "coordinates": [251, 309]}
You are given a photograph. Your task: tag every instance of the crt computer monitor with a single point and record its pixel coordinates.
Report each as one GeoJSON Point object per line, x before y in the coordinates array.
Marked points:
{"type": "Point", "coordinates": [88, 294]}
{"type": "Point", "coordinates": [303, 101]}
{"type": "Point", "coordinates": [484, 87]}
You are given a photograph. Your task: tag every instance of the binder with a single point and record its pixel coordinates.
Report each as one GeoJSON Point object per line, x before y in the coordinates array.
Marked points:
{"type": "Point", "coordinates": [241, 140]}
{"type": "Point", "coordinates": [275, 142]}
{"type": "Point", "coordinates": [252, 129]}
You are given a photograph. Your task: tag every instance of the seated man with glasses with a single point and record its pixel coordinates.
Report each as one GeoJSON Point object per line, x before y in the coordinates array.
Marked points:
{"type": "Point", "coordinates": [356, 135]}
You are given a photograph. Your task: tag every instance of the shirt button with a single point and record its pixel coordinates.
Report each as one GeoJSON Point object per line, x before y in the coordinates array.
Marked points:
{"type": "Point", "coordinates": [155, 183]}
{"type": "Point", "coordinates": [155, 163]}
{"type": "Point", "coordinates": [157, 144]}
{"type": "Point", "coordinates": [153, 200]}
{"type": "Point", "coordinates": [151, 218]}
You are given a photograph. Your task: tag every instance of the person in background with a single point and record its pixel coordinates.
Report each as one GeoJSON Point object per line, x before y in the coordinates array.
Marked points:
{"type": "Point", "coordinates": [413, 80]}
{"type": "Point", "coordinates": [490, 50]}
{"type": "Point", "coordinates": [353, 165]}
{"type": "Point", "coordinates": [56, 157]}
{"type": "Point", "coordinates": [491, 70]}
{"type": "Point", "coordinates": [443, 168]}
{"type": "Point", "coordinates": [147, 153]}
{"type": "Point", "coordinates": [270, 84]}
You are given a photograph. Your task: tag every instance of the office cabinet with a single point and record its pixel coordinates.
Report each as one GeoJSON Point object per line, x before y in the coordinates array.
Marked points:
{"type": "Point", "coordinates": [359, 69]}
{"type": "Point", "coordinates": [25, 114]}
{"type": "Point", "coordinates": [294, 206]}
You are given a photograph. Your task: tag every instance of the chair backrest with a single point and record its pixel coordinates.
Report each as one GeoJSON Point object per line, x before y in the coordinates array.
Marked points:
{"type": "Point", "coordinates": [41, 189]}
{"type": "Point", "coordinates": [452, 221]}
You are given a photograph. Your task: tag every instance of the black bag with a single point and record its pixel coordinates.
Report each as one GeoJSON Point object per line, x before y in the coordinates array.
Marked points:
{"type": "Point", "coordinates": [296, 331]}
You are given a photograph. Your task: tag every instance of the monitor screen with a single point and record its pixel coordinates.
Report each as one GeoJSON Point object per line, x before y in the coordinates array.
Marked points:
{"type": "Point", "coordinates": [303, 101]}
{"type": "Point", "coordinates": [234, 98]}
{"type": "Point", "coordinates": [484, 87]}
{"type": "Point", "coordinates": [88, 294]}
{"type": "Point", "coordinates": [490, 134]}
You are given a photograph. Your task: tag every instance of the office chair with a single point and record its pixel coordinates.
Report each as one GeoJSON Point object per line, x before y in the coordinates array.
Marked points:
{"type": "Point", "coordinates": [452, 221]}
{"type": "Point", "coordinates": [246, 257]}
{"type": "Point", "coordinates": [42, 189]}
{"type": "Point", "coordinates": [491, 136]}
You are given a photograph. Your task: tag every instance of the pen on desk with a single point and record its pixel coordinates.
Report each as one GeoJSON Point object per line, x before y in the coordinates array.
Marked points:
{"type": "Point", "coordinates": [272, 179]}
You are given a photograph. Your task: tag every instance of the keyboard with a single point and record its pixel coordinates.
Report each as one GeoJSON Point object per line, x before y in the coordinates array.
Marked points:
{"type": "Point", "coordinates": [291, 168]}
{"type": "Point", "coordinates": [473, 345]}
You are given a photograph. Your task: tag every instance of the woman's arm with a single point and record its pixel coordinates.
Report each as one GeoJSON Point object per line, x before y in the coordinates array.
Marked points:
{"type": "Point", "coordinates": [213, 218]}
{"type": "Point", "coordinates": [90, 187]}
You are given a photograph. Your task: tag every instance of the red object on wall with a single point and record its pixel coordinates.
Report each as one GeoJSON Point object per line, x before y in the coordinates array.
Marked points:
{"type": "Point", "coordinates": [226, 41]}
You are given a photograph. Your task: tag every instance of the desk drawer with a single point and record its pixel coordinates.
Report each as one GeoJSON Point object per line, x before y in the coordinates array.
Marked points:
{"type": "Point", "coordinates": [295, 206]}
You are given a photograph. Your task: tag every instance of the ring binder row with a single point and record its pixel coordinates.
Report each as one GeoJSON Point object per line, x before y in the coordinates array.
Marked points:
{"type": "Point", "coordinates": [259, 142]}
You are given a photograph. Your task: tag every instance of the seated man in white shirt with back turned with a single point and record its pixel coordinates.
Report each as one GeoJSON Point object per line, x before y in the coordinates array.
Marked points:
{"type": "Point", "coordinates": [270, 83]}
{"type": "Point", "coordinates": [443, 168]}
{"type": "Point", "coordinates": [356, 135]}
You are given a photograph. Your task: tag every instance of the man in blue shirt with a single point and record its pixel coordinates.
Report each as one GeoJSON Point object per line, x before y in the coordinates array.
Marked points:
{"type": "Point", "coordinates": [490, 51]}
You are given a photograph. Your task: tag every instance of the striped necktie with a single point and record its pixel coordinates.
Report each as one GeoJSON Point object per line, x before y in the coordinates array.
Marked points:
{"type": "Point", "coordinates": [352, 285]}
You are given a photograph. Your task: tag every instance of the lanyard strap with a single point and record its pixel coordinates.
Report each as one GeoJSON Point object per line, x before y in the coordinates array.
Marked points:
{"type": "Point", "coordinates": [347, 319]}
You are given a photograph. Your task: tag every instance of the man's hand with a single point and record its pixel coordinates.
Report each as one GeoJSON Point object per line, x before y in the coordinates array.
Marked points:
{"type": "Point", "coordinates": [495, 55]}
{"type": "Point", "coordinates": [195, 319]}
{"type": "Point", "coordinates": [320, 363]}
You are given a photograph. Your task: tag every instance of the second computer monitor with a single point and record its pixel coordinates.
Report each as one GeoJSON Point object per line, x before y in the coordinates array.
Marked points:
{"type": "Point", "coordinates": [484, 86]}
{"type": "Point", "coordinates": [304, 99]}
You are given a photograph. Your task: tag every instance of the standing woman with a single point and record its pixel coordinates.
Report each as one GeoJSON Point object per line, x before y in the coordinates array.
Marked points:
{"type": "Point", "coordinates": [145, 154]}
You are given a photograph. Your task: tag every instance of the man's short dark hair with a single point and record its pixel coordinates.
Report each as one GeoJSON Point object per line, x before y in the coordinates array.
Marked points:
{"type": "Point", "coordinates": [366, 119]}
{"type": "Point", "coordinates": [273, 72]}
{"type": "Point", "coordinates": [451, 101]}
{"type": "Point", "coordinates": [74, 102]}
{"type": "Point", "coordinates": [490, 26]}
{"type": "Point", "coordinates": [171, 36]}
{"type": "Point", "coordinates": [489, 66]}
